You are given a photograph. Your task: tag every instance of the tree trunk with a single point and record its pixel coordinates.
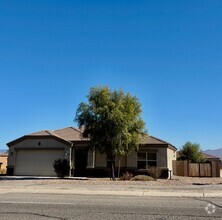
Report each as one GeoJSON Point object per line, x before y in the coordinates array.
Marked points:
{"type": "Point", "coordinates": [119, 169]}
{"type": "Point", "coordinates": [113, 169]}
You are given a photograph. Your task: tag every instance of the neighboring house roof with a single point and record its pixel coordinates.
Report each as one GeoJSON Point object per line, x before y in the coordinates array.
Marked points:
{"type": "Point", "coordinates": [71, 134]}
{"type": "Point", "coordinates": [208, 156]}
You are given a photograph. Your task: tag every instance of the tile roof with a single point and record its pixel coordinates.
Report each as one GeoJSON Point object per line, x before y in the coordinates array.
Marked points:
{"type": "Point", "coordinates": [41, 133]}
{"type": "Point", "coordinates": [47, 133]}
{"type": "Point", "coordinates": [148, 139]}
{"type": "Point", "coordinates": [75, 134]}
{"type": "Point", "coordinates": [208, 156]}
{"type": "Point", "coordinates": [70, 134]}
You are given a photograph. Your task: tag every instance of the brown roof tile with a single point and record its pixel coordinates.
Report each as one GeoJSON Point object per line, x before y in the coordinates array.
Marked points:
{"type": "Point", "coordinates": [70, 134]}
{"type": "Point", "coordinates": [147, 139]}
{"type": "Point", "coordinates": [44, 133]}
{"type": "Point", "coordinates": [208, 156]}
{"type": "Point", "coordinates": [40, 133]}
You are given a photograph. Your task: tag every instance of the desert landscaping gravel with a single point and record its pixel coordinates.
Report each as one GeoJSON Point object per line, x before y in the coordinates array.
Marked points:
{"type": "Point", "coordinates": [175, 181]}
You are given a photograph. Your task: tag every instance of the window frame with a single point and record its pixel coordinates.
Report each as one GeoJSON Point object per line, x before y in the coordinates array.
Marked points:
{"type": "Point", "coordinates": [146, 160]}
{"type": "Point", "coordinates": [91, 158]}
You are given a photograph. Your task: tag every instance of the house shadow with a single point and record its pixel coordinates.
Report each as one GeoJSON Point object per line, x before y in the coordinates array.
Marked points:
{"type": "Point", "coordinates": [201, 184]}
{"type": "Point", "coordinates": [13, 178]}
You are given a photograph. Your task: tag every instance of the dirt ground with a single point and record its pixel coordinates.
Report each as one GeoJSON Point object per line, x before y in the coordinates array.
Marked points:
{"type": "Point", "coordinates": [175, 181]}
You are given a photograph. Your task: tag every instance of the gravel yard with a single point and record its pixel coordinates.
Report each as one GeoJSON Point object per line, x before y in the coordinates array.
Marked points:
{"type": "Point", "coordinates": [175, 181]}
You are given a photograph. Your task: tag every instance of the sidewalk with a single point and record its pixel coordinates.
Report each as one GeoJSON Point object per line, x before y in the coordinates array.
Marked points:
{"type": "Point", "coordinates": [109, 188]}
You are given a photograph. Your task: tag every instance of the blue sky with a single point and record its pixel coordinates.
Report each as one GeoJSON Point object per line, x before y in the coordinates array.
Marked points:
{"type": "Point", "coordinates": [168, 53]}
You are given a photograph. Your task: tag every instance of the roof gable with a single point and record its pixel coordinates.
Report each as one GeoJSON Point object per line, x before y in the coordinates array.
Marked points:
{"type": "Point", "coordinates": [147, 139]}
{"type": "Point", "coordinates": [70, 134]}
{"type": "Point", "coordinates": [40, 134]}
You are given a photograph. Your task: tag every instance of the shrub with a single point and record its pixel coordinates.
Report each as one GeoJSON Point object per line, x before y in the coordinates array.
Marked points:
{"type": "Point", "coordinates": [142, 178]}
{"type": "Point", "coordinates": [126, 176]}
{"type": "Point", "coordinates": [61, 167]}
{"type": "Point", "coordinates": [154, 172]}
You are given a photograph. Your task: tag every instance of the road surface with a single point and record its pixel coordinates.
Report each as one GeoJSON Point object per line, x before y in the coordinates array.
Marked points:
{"type": "Point", "coordinates": [59, 206]}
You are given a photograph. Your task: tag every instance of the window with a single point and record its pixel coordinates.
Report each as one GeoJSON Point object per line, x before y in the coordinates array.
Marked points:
{"type": "Point", "coordinates": [146, 159]}
{"type": "Point", "coordinates": [91, 159]}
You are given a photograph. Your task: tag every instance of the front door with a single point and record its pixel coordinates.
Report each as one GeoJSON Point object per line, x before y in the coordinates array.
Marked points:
{"type": "Point", "coordinates": [80, 162]}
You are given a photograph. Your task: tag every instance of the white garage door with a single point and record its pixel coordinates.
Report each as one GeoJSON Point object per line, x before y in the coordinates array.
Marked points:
{"type": "Point", "coordinates": [36, 162]}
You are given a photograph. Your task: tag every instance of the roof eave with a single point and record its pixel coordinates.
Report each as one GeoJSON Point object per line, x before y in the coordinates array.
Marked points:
{"type": "Point", "coordinates": [9, 144]}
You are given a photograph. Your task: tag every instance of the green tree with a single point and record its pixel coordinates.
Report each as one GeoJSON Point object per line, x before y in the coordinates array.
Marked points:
{"type": "Point", "coordinates": [191, 152]}
{"type": "Point", "coordinates": [112, 121]}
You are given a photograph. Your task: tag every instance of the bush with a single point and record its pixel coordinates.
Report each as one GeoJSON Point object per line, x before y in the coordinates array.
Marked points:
{"type": "Point", "coordinates": [154, 172]}
{"type": "Point", "coordinates": [126, 176]}
{"type": "Point", "coordinates": [61, 167]}
{"type": "Point", "coordinates": [142, 178]}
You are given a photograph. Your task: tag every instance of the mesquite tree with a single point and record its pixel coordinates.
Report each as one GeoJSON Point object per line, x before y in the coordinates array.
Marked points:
{"type": "Point", "coordinates": [112, 122]}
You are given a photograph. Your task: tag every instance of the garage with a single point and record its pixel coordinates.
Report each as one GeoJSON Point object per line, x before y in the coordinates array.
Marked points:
{"type": "Point", "coordinates": [36, 162]}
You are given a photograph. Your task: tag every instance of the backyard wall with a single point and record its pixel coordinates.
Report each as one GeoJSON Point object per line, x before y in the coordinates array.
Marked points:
{"type": "Point", "coordinates": [184, 168]}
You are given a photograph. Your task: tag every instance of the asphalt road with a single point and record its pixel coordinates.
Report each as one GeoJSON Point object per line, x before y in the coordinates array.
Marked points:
{"type": "Point", "coordinates": [56, 206]}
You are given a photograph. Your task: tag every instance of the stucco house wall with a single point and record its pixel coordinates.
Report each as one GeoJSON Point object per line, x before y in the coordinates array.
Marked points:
{"type": "Point", "coordinates": [171, 155]}
{"type": "Point", "coordinates": [100, 160]}
{"type": "Point", "coordinates": [165, 156]}
{"type": "Point", "coordinates": [162, 157]}
{"type": "Point", "coordinates": [4, 161]}
{"type": "Point", "coordinates": [36, 143]}
{"type": "Point", "coordinates": [70, 140]}
{"type": "Point", "coordinates": [131, 161]}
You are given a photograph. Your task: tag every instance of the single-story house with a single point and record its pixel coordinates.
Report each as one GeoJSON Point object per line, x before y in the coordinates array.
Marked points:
{"type": "Point", "coordinates": [3, 162]}
{"type": "Point", "coordinates": [211, 158]}
{"type": "Point", "coordinates": [34, 154]}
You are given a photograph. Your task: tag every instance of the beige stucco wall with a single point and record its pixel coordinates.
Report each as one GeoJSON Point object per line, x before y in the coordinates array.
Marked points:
{"type": "Point", "coordinates": [122, 161]}
{"type": "Point", "coordinates": [3, 160]}
{"type": "Point", "coordinates": [100, 160]}
{"type": "Point", "coordinates": [33, 143]}
{"type": "Point", "coordinates": [171, 155]}
{"type": "Point", "coordinates": [165, 156]}
{"type": "Point", "coordinates": [162, 157]}
{"type": "Point", "coordinates": [132, 160]}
